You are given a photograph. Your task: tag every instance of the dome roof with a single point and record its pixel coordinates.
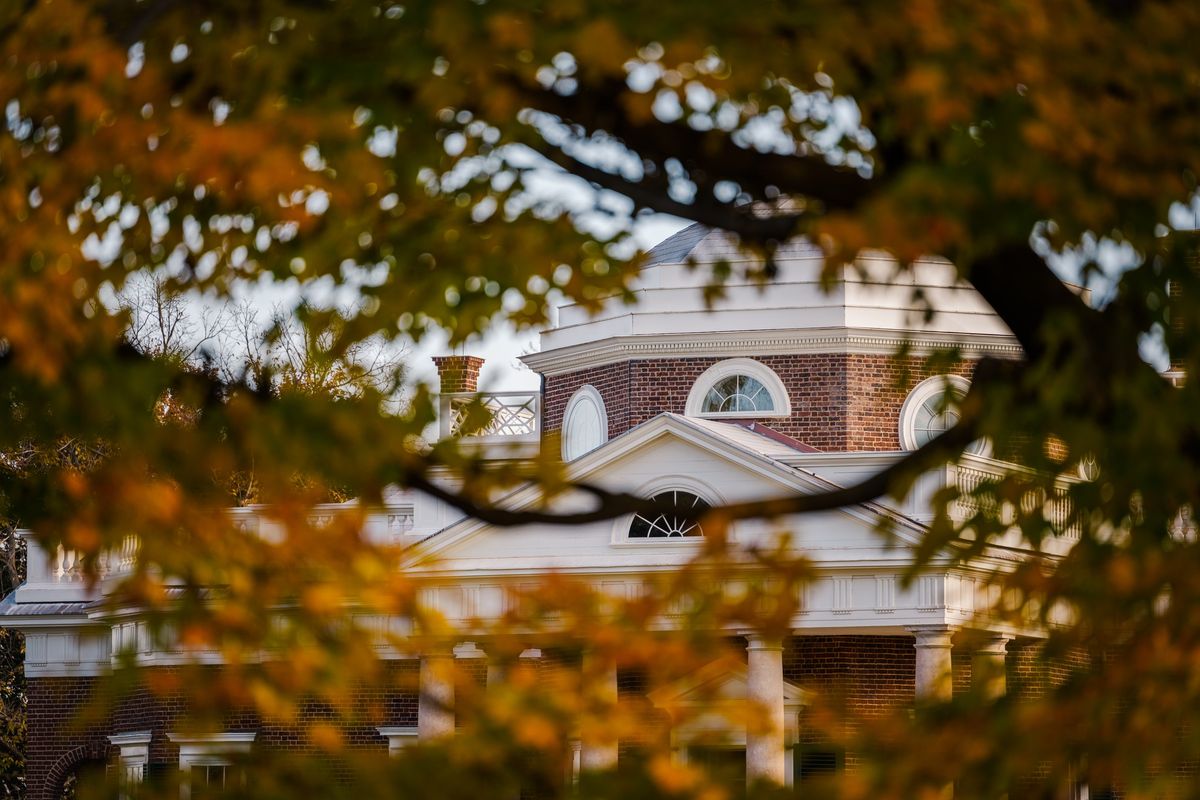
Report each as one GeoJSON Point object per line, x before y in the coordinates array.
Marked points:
{"type": "Point", "coordinates": [873, 308]}
{"type": "Point", "coordinates": [705, 245]}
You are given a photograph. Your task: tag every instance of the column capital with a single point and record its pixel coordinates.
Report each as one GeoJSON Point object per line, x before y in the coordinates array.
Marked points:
{"type": "Point", "coordinates": [756, 641]}
{"type": "Point", "coordinates": [431, 653]}
{"type": "Point", "coordinates": [937, 636]}
{"type": "Point", "coordinates": [995, 644]}
{"type": "Point", "coordinates": [468, 650]}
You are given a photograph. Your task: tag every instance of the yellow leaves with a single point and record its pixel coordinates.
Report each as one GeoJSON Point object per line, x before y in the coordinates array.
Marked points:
{"type": "Point", "coordinates": [322, 599]}
{"type": "Point", "coordinates": [83, 537]}
{"type": "Point", "coordinates": [326, 736]}
{"type": "Point", "coordinates": [673, 778]}
{"type": "Point", "coordinates": [270, 702]}
{"type": "Point", "coordinates": [600, 47]}
{"type": "Point", "coordinates": [535, 730]}
{"type": "Point", "coordinates": [510, 30]}
{"type": "Point", "coordinates": [926, 80]}
{"type": "Point", "coordinates": [1122, 573]}
{"type": "Point", "coordinates": [195, 636]}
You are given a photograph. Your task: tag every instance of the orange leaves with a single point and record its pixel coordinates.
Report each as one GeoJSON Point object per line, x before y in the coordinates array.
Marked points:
{"type": "Point", "coordinates": [602, 48]}
{"type": "Point", "coordinates": [321, 600]}
{"type": "Point", "coordinates": [511, 30]}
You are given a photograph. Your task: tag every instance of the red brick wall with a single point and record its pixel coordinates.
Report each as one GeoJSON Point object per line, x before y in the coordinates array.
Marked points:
{"type": "Point", "coordinates": [613, 381]}
{"type": "Point", "coordinates": [875, 393]}
{"type": "Point", "coordinates": [871, 674]}
{"type": "Point", "coordinates": [868, 675]}
{"type": "Point", "coordinates": [54, 747]}
{"type": "Point", "coordinates": [839, 402]}
{"type": "Point", "coordinates": [52, 750]}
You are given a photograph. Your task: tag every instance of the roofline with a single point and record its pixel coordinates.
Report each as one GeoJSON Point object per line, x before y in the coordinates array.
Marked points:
{"type": "Point", "coordinates": [751, 343]}
{"type": "Point", "coordinates": [647, 431]}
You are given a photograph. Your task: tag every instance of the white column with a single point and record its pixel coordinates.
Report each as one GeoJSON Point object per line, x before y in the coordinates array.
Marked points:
{"type": "Point", "coordinates": [598, 747]}
{"type": "Point", "coordinates": [435, 704]}
{"type": "Point", "coordinates": [934, 667]}
{"type": "Point", "coordinates": [766, 758]}
{"type": "Point", "coordinates": [988, 672]}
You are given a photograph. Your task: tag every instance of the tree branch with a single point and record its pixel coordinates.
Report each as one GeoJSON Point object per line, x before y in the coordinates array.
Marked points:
{"type": "Point", "coordinates": [759, 229]}
{"type": "Point", "coordinates": [1009, 277]}
{"type": "Point", "coordinates": [709, 156]}
{"type": "Point", "coordinates": [611, 505]}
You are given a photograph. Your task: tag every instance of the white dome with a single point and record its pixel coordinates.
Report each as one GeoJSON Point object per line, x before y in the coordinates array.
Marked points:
{"type": "Point", "coordinates": [870, 309]}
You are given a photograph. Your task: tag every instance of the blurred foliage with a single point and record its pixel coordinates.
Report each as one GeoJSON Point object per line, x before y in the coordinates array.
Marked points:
{"type": "Point", "coordinates": [12, 672]}
{"type": "Point", "coordinates": [394, 152]}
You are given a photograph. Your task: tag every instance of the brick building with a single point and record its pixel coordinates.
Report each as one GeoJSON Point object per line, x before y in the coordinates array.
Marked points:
{"type": "Point", "coordinates": [773, 390]}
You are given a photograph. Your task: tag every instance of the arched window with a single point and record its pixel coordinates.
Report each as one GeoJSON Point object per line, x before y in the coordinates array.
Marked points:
{"type": "Point", "coordinates": [932, 409]}
{"type": "Point", "coordinates": [585, 423]}
{"type": "Point", "coordinates": [738, 387]}
{"type": "Point", "coordinates": [739, 393]}
{"type": "Point", "coordinates": [677, 523]}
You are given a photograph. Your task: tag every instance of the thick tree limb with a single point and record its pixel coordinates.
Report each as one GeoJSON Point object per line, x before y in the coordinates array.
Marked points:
{"type": "Point", "coordinates": [1010, 278]}
{"type": "Point", "coordinates": [759, 229]}
{"type": "Point", "coordinates": [611, 505]}
{"type": "Point", "coordinates": [709, 156]}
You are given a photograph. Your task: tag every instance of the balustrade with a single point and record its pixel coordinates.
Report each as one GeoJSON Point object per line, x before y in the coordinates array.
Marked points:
{"type": "Point", "coordinates": [514, 416]}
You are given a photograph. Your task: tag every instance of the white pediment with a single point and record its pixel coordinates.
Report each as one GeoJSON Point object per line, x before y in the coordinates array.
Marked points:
{"type": "Point", "coordinates": [670, 451]}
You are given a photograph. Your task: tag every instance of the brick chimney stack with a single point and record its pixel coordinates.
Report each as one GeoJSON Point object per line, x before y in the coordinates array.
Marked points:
{"type": "Point", "coordinates": [458, 373]}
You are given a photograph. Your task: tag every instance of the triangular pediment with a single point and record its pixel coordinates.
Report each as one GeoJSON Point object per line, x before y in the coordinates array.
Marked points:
{"type": "Point", "coordinates": [669, 451]}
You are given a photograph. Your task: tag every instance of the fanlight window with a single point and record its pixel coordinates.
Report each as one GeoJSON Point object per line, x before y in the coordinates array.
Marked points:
{"type": "Point", "coordinates": [932, 418]}
{"type": "Point", "coordinates": [927, 414]}
{"type": "Point", "coordinates": [737, 394]}
{"type": "Point", "coordinates": [677, 523]}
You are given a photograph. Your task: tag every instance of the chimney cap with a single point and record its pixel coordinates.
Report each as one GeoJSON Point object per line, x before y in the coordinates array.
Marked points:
{"type": "Point", "coordinates": [458, 373]}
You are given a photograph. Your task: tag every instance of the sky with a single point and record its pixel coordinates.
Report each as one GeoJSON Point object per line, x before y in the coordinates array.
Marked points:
{"type": "Point", "coordinates": [503, 345]}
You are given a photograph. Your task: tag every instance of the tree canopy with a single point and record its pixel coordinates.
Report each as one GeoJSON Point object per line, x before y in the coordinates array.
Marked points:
{"type": "Point", "coordinates": [395, 151]}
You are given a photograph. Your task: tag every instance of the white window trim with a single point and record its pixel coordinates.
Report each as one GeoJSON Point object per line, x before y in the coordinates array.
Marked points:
{"type": "Point", "coordinates": [930, 387]}
{"type": "Point", "coordinates": [678, 483]}
{"type": "Point", "coordinates": [398, 736]}
{"type": "Point", "coordinates": [207, 750]}
{"type": "Point", "coordinates": [591, 393]}
{"type": "Point", "coordinates": [133, 759]}
{"type": "Point", "coordinates": [739, 366]}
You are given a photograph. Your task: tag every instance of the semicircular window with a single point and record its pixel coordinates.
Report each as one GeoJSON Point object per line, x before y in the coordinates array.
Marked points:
{"type": "Point", "coordinates": [677, 523]}
{"type": "Point", "coordinates": [737, 394]}
{"type": "Point", "coordinates": [932, 417]}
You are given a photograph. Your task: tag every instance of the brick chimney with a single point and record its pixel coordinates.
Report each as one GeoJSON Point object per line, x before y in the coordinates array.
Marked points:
{"type": "Point", "coordinates": [458, 373]}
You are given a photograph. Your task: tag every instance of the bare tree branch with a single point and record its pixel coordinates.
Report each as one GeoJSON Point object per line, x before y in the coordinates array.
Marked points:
{"type": "Point", "coordinates": [756, 228]}
{"type": "Point", "coordinates": [611, 505]}
{"type": "Point", "coordinates": [709, 156]}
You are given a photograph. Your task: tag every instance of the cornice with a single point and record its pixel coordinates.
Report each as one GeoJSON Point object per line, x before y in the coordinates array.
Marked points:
{"type": "Point", "coordinates": [765, 343]}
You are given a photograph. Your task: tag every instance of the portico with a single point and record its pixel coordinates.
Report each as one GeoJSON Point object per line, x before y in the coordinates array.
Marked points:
{"type": "Point", "coordinates": [708, 708]}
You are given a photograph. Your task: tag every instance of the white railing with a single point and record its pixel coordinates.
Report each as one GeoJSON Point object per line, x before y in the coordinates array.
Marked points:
{"type": "Point", "coordinates": [66, 565]}
{"type": "Point", "coordinates": [515, 416]}
{"type": "Point", "coordinates": [973, 472]}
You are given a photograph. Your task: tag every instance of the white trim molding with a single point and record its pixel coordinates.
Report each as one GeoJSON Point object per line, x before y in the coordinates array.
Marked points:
{"type": "Point", "coordinates": [132, 760]}
{"type": "Point", "coordinates": [782, 404]}
{"type": "Point", "coordinates": [865, 341]}
{"type": "Point", "coordinates": [577, 438]}
{"type": "Point", "coordinates": [208, 750]}
{"type": "Point", "coordinates": [669, 483]}
{"type": "Point", "coordinates": [923, 391]}
{"type": "Point", "coordinates": [398, 737]}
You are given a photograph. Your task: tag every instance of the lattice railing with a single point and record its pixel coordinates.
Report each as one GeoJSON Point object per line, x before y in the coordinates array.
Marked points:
{"type": "Point", "coordinates": [513, 415]}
